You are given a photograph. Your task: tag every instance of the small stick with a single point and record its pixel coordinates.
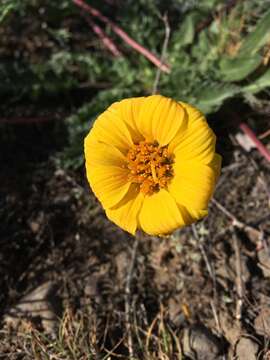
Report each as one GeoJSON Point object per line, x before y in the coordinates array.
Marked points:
{"type": "Point", "coordinates": [205, 257]}
{"type": "Point", "coordinates": [259, 145]}
{"type": "Point", "coordinates": [213, 277]}
{"type": "Point", "coordinates": [239, 284]}
{"type": "Point", "coordinates": [163, 52]}
{"type": "Point", "coordinates": [123, 35]}
{"type": "Point", "coordinates": [264, 135]}
{"type": "Point", "coordinates": [236, 222]}
{"type": "Point", "coordinates": [128, 296]}
{"type": "Point", "coordinates": [105, 39]}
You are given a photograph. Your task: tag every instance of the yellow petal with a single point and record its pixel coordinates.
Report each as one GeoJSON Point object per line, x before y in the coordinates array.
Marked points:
{"type": "Point", "coordinates": [97, 154]}
{"type": "Point", "coordinates": [193, 113]}
{"type": "Point", "coordinates": [198, 143]}
{"type": "Point", "coordinates": [160, 118]}
{"type": "Point", "coordinates": [160, 214]}
{"type": "Point", "coordinates": [125, 214]}
{"type": "Point", "coordinates": [194, 119]}
{"type": "Point", "coordinates": [106, 172]}
{"type": "Point", "coordinates": [110, 129]}
{"type": "Point", "coordinates": [192, 186]}
{"type": "Point", "coordinates": [130, 111]}
{"type": "Point", "coordinates": [109, 184]}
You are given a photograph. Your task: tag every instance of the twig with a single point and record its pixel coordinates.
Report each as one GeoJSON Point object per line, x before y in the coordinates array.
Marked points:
{"type": "Point", "coordinates": [128, 296]}
{"type": "Point", "coordinates": [216, 318]}
{"type": "Point", "coordinates": [208, 264]}
{"type": "Point", "coordinates": [122, 34]}
{"type": "Point", "coordinates": [264, 134]}
{"type": "Point", "coordinates": [236, 222]}
{"type": "Point", "coordinates": [163, 51]}
{"type": "Point", "coordinates": [205, 257]}
{"type": "Point", "coordinates": [105, 39]}
{"type": "Point", "coordinates": [259, 145]}
{"type": "Point", "coordinates": [239, 284]}
{"type": "Point", "coordinates": [212, 274]}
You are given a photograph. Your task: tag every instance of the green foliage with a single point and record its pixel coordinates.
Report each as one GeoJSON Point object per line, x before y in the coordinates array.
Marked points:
{"type": "Point", "coordinates": [257, 38]}
{"type": "Point", "coordinates": [238, 68]}
{"type": "Point", "coordinates": [214, 55]}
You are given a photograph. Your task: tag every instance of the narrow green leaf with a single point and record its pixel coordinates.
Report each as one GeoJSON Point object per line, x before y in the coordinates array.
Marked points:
{"type": "Point", "coordinates": [5, 10]}
{"type": "Point", "coordinates": [236, 69]}
{"type": "Point", "coordinates": [256, 39]}
{"type": "Point", "coordinates": [187, 30]}
{"type": "Point", "coordinates": [258, 85]}
{"type": "Point", "coordinates": [212, 97]}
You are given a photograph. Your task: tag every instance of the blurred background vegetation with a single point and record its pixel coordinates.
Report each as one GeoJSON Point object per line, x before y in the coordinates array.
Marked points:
{"type": "Point", "coordinates": [54, 64]}
{"type": "Point", "coordinates": [54, 67]}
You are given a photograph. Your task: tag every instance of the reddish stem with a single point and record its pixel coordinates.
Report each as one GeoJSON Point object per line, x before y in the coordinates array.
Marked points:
{"type": "Point", "coordinates": [259, 145]}
{"type": "Point", "coordinates": [105, 39]}
{"type": "Point", "coordinates": [122, 34]}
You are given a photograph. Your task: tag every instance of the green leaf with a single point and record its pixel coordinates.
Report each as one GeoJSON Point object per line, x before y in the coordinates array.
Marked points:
{"type": "Point", "coordinates": [5, 10]}
{"type": "Point", "coordinates": [187, 30]}
{"type": "Point", "coordinates": [258, 85]}
{"type": "Point", "coordinates": [236, 69]}
{"type": "Point", "coordinates": [212, 97]}
{"type": "Point", "coordinates": [257, 38]}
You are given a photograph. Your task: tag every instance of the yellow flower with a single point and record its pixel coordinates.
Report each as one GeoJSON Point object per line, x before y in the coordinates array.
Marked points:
{"type": "Point", "coordinates": [151, 162]}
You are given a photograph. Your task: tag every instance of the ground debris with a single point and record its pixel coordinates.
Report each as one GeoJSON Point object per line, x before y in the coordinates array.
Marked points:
{"type": "Point", "coordinates": [246, 349]}
{"type": "Point", "coordinates": [39, 307]}
{"type": "Point", "coordinates": [264, 261]}
{"type": "Point", "coordinates": [262, 322]}
{"type": "Point", "coordinates": [199, 343]}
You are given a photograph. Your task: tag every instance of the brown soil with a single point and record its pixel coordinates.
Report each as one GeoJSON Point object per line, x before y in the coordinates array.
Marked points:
{"type": "Point", "coordinates": [54, 230]}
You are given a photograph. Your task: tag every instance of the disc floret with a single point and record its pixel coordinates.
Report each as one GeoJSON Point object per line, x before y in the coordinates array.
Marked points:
{"type": "Point", "coordinates": [150, 165]}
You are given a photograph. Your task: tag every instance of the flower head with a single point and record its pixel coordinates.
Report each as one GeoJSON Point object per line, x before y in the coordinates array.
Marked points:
{"type": "Point", "coordinates": [151, 162]}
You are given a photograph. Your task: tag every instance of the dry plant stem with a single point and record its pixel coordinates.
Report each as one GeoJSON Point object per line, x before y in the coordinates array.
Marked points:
{"type": "Point", "coordinates": [163, 52]}
{"type": "Point", "coordinates": [205, 257]}
{"type": "Point", "coordinates": [259, 145]}
{"type": "Point", "coordinates": [235, 222]}
{"type": "Point", "coordinates": [105, 39]}
{"type": "Point", "coordinates": [211, 273]}
{"type": "Point", "coordinates": [264, 135]}
{"type": "Point", "coordinates": [128, 296]}
{"type": "Point", "coordinates": [123, 35]}
{"type": "Point", "coordinates": [239, 284]}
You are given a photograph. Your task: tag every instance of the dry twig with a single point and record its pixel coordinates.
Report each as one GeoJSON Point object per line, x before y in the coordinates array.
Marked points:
{"type": "Point", "coordinates": [239, 283]}
{"type": "Point", "coordinates": [128, 297]}
{"type": "Point", "coordinates": [211, 273]}
{"type": "Point", "coordinates": [105, 39]}
{"type": "Point", "coordinates": [236, 222]}
{"type": "Point", "coordinates": [163, 52]}
{"type": "Point", "coordinates": [122, 34]}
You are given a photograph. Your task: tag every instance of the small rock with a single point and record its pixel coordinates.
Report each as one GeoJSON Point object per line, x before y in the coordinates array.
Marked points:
{"type": "Point", "coordinates": [246, 349]}
{"type": "Point", "coordinates": [231, 328]}
{"type": "Point", "coordinates": [264, 261]}
{"type": "Point", "coordinates": [262, 322]}
{"type": "Point", "coordinates": [244, 141]}
{"type": "Point", "coordinates": [176, 314]}
{"type": "Point", "coordinates": [37, 306]}
{"type": "Point", "coordinates": [36, 224]}
{"type": "Point", "coordinates": [199, 343]}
